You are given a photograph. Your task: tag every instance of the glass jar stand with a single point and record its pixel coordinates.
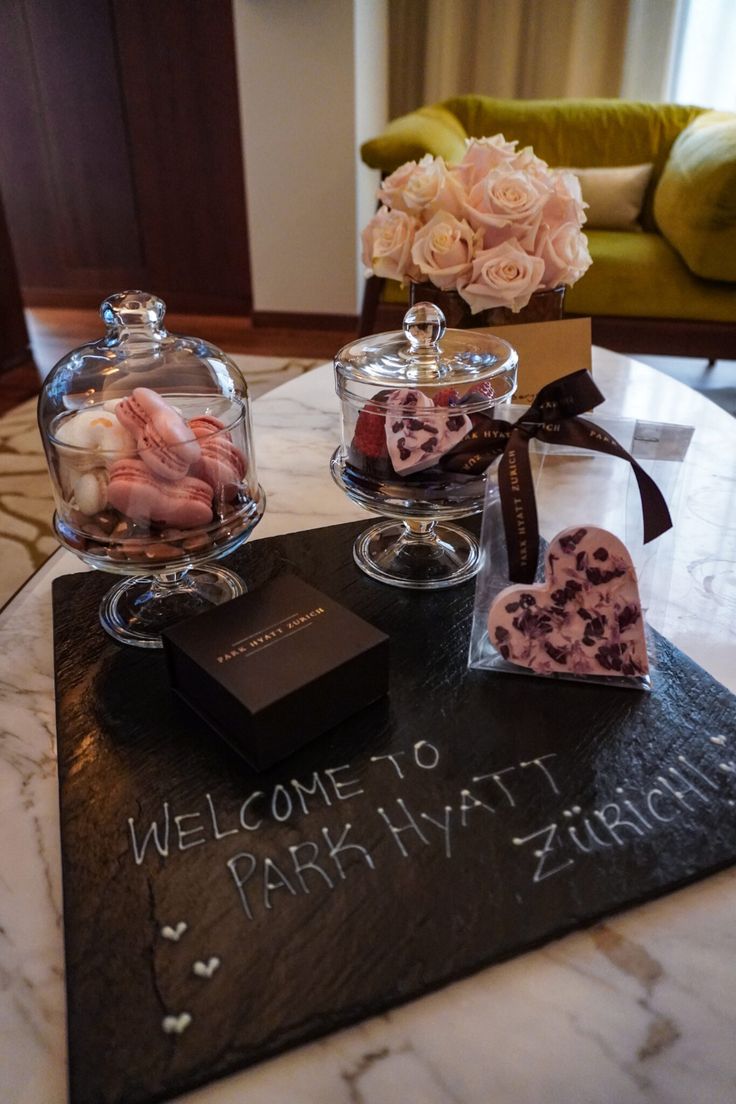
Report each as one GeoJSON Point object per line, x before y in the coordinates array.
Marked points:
{"type": "Point", "coordinates": [422, 555]}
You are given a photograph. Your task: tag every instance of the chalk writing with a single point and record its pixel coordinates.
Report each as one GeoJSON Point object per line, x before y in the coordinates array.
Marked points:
{"type": "Point", "coordinates": [545, 869]}
{"type": "Point", "coordinates": [206, 969]}
{"type": "Point", "coordinates": [272, 878]}
{"type": "Point", "coordinates": [176, 1025]}
{"type": "Point", "coordinates": [678, 790]}
{"type": "Point", "coordinates": [281, 804]}
{"type": "Point", "coordinates": [174, 934]}
{"type": "Point", "coordinates": [287, 802]}
{"type": "Point", "coordinates": [444, 828]}
{"type": "Point", "coordinates": [409, 824]}
{"type": "Point", "coordinates": [332, 854]}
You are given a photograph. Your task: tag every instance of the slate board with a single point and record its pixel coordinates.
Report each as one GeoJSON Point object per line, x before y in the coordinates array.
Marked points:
{"type": "Point", "coordinates": [497, 778]}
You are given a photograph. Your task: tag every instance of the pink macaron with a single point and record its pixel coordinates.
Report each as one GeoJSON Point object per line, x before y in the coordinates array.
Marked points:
{"type": "Point", "coordinates": [205, 424]}
{"type": "Point", "coordinates": [221, 463]}
{"type": "Point", "coordinates": [166, 444]}
{"type": "Point", "coordinates": [136, 492]}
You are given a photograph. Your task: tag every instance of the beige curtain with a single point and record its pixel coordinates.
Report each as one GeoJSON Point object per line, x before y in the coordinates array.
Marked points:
{"type": "Point", "coordinates": [525, 49]}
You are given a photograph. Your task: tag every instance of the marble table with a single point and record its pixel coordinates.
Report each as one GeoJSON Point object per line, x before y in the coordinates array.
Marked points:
{"type": "Point", "coordinates": [638, 1009]}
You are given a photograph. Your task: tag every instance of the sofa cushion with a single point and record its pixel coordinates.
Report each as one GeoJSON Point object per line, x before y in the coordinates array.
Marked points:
{"type": "Point", "coordinates": [431, 129]}
{"type": "Point", "coordinates": [615, 196]}
{"type": "Point", "coordinates": [641, 275]}
{"type": "Point", "coordinates": [695, 199]}
{"type": "Point", "coordinates": [636, 275]}
{"type": "Point", "coordinates": [588, 133]}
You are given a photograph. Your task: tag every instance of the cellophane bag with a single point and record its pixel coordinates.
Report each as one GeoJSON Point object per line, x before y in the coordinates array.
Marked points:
{"type": "Point", "coordinates": [576, 488]}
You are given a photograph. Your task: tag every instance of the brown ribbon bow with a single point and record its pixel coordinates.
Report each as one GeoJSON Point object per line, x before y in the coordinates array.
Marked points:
{"type": "Point", "coordinates": [554, 418]}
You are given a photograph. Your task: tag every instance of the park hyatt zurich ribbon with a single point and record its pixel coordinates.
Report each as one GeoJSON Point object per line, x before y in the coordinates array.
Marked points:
{"type": "Point", "coordinates": [553, 418]}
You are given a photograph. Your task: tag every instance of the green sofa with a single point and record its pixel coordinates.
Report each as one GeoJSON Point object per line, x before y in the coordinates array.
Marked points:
{"type": "Point", "coordinates": [669, 287]}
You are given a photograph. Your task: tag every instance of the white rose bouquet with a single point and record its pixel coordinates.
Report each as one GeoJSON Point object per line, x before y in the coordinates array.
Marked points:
{"type": "Point", "coordinates": [496, 227]}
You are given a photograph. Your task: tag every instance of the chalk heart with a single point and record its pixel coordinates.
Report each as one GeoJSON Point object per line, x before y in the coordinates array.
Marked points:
{"type": "Point", "coordinates": [206, 969]}
{"type": "Point", "coordinates": [584, 619]}
{"type": "Point", "coordinates": [176, 1025]}
{"type": "Point", "coordinates": [174, 934]}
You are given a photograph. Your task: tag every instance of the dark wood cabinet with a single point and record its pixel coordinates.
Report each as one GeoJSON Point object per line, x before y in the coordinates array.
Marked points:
{"type": "Point", "coordinates": [14, 346]}
{"type": "Point", "coordinates": [120, 151]}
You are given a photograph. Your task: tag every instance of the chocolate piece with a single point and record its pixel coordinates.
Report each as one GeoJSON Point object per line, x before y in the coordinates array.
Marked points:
{"type": "Point", "coordinates": [418, 433]}
{"type": "Point", "coordinates": [582, 620]}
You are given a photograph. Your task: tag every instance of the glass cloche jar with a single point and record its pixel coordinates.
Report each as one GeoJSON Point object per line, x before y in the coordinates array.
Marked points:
{"type": "Point", "coordinates": [150, 450]}
{"type": "Point", "coordinates": [414, 404]}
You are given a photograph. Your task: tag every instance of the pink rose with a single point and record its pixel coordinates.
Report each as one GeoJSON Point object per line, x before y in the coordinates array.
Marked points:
{"type": "Point", "coordinates": [507, 201]}
{"type": "Point", "coordinates": [527, 161]}
{"type": "Point", "coordinates": [482, 155]}
{"type": "Point", "coordinates": [387, 242]}
{"type": "Point", "coordinates": [443, 250]}
{"type": "Point", "coordinates": [423, 189]}
{"type": "Point", "coordinates": [565, 203]}
{"type": "Point", "coordinates": [505, 276]}
{"type": "Point", "coordinates": [392, 188]}
{"type": "Point", "coordinates": [564, 251]}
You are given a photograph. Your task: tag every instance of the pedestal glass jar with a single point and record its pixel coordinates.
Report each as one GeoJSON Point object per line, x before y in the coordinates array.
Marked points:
{"type": "Point", "coordinates": [150, 451]}
{"type": "Point", "coordinates": [413, 403]}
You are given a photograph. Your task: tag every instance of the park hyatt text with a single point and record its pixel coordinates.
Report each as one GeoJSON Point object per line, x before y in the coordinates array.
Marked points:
{"type": "Point", "coordinates": [280, 631]}
{"type": "Point", "coordinates": [328, 854]}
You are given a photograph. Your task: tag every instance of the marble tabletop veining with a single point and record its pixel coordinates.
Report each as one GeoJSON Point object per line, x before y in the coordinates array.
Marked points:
{"type": "Point", "coordinates": [637, 1009]}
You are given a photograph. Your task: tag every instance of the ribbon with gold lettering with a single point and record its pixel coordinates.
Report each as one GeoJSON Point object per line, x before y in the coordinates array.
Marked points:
{"type": "Point", "coordinates": [553, 417]}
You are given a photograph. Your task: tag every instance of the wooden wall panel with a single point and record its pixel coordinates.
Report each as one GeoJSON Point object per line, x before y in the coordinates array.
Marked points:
{"type": "Point", "coordinates": [14, 346]}
{"type": "Point", "coordinates": [81, 103]}
{"type": "Point", "coordinates": [25, 167]}
{"type": "Point", "coordinates": [180, 87]}
{"type": "Point", "coordinates": [120, 154]}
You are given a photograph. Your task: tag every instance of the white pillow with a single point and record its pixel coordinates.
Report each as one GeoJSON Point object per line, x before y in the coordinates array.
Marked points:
{"type": "Point", "coordinates": [615, 196]}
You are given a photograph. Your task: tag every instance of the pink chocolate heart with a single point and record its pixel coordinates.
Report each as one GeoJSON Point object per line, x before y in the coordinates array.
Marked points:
{"type": "Point", "coordinates": [585, 619]}
{"type": "Point", "coordinates": [418, 433]}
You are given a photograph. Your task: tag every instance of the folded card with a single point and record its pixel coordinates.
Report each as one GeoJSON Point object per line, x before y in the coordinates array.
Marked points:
{"type": "Point", "coordinates": [547, 351]}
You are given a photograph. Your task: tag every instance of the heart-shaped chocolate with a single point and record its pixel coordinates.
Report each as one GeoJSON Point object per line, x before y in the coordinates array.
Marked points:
{"type": "Point", "coordinates": [418, 433]}
{"type": "Point", "coordinates": [584, 619]}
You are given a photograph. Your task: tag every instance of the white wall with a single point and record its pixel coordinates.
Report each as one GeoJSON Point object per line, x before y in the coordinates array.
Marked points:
{"type": "Point", "coordinates": [312, 78]}
{"type": "Point", "coordinates": [371, 106]}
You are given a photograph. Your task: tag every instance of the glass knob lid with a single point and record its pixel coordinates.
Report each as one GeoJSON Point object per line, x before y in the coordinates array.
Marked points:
{"type": "Point", "coordinates": [137, 351]}
{"type": "Point", "coordinates": [133, 310]}
{"type": "Point", "coordinates": [424, 326]}
{"type": "Point", "coordinates": [424, 351]}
